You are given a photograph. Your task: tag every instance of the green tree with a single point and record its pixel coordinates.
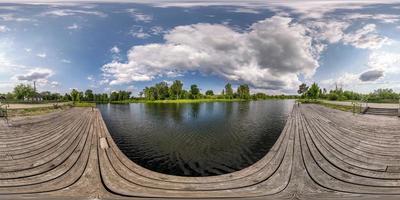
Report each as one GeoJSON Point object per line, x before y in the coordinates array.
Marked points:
{"type": "Point", "coordinates": [23, 91]}
{"type": "Point", "coordinates": [228, 91]}
{"type": "Point", "coordinates": [302, 89]}
{"type": "Point", "coordinates": [89, 95]}
{"type": "Point", "coordinates": [176, 89]}
{"type": "Point", "coordinates": [210, 93]}
{"type": "Point", "coordinates": [162, 90]}
{"type": "Point", "coordinates": [194, 91]}
{"type": "Point", "coordinates": [313, 91]}
{"type": "Point", "coordinates": [75, 95]}
{"type": "Point", "coordinates": [243, 91]}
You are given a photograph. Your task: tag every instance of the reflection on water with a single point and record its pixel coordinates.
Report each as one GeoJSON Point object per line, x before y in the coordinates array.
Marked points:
{"type": "Point", "coordinates": [199, 139]}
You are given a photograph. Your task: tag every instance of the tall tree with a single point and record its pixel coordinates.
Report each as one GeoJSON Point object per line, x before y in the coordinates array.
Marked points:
{"type": "Point", "coordinates": [243, 91]}
{"type": "Point", "coordinates": [75, 95]}
{"type": "Point", "coordinates": [176, 89]}
{"type": "Point", "coordinates": [194, 91]}
{"type": "Point", "coordinates": [313, 91]}
{"type": "Point", "coordinates": [89, 95]}
{"type": "Point", "coordinates": [228, 91]}
{"type": "Point", "coordinates": [162, 90]}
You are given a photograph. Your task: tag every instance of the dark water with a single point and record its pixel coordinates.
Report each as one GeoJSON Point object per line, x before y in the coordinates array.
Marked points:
{"type": "Point", "coordinates": [199, 139]}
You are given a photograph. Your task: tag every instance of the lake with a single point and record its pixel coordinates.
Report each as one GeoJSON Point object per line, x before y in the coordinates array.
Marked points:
{"type": "Point", "coordinates": [196, 139]}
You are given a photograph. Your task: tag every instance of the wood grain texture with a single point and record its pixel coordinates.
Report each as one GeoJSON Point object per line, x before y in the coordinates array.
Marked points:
{"type": "Point", "coordinates": [321, 154]}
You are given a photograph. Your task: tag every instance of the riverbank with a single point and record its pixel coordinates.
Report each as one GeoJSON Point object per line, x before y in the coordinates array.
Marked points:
{"type": "Point", "coordinates": [22, 110]}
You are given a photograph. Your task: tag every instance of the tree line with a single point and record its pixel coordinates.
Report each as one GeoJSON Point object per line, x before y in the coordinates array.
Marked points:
{"type": "Point", "coordinates": [162, 91]}
{"type": "Point", "coordinates": [339, 94]}
{"type": "Point", "coordinates": [159, 91]}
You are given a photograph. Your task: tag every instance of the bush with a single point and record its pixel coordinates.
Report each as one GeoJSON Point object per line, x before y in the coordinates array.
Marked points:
{"type": "Point", "coordinates": [333, 96]}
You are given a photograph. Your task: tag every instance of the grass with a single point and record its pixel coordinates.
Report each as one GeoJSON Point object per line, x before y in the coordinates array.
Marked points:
{"type": "Point", "coordinates": [329, 105]}
{"type": "Point", "coordinates": [35, 111]}
{"type": "Point", "coordinates": [44, 110]}
{"type": "Point", "coordinates": [177, 101]}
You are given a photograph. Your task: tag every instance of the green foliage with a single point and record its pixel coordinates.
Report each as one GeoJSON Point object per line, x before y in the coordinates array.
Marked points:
{"type": "Point", "coordinates": [210, 93]}
{"type": "Point", "coordinates": [314, 91]}
{"type": "Point", "coordinates": [89, 95]}
{"type": "Point", "coordinates": [303, 88]}
{"type": "Point", "coordinates": [23, 91]}
{"type": "Point", "coordinates": [176, 89]}
{"type": "Point", "coordinates": [75, 95]}
{"type": "Point", "coordinates": [228, 91]}
{"type": "Point", "coordinates": [194, 92]}
{"type": "Point", "coordinates": [243, 91]}
{"type": "Point", "coordinates": [162, 90]}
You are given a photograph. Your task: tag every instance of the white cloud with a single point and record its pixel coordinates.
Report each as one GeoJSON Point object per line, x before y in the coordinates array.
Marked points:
{"type": "Point", "coordinates": [139, 16]}
{"type": "Point", "coordinates": [28, 50]}
{"type": "Point", "coordinates": [388, 62]}
{"type": "Point", "coordinates": [36, 74]}
{"type": "Point", "coordinates": [41, 55]}
{"type": "Point", "coordinates": [385, 18]}
{"type": "Point", "coordinates": [12, 17]}
{"type": "Point", "coordinates": [73, 27]}
{"type": "Point", "coordinates": [70, 12]}
{"type": "Point", "coordinates": [245, 10]}
{"type": "Point", "coordinates": [66, 61]}
{"type": "Point", "coordinates": [157, 30]}
{"type": "Point", "coordinates": [90, 78]}
{"type": "Point", "coordinates": [115, 49]}
{"type": "Point", "coordinates": [4, 29]}
{"type": "Point", "coordinates": [138, 32]}
{"type": "Point", "coordinates": [54, 84]}
{"type": "Point", "coordinates": [270, 55]}
{"type": "Point", "coordinates": [365, 38]}
{"type": "Point", "coordinates": [331, 31]}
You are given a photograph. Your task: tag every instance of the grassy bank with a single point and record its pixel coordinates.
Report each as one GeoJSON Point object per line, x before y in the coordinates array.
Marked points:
{"type": "Point", "coordinates": [21, 112]}
{"type": "Point", "coordinates": [328, 105]}
{"type": "Point", "coordinates": [35, 111]}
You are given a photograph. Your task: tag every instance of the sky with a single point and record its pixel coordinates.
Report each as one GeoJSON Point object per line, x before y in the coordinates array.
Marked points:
{"type": "Point", "coordinates": [273, 46]}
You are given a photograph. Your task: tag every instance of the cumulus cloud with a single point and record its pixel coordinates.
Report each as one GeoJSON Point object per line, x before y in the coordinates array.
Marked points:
{"type": "Point", "coordinates": [331, 31]}
{"type": "Point", "coordinates": [365, 38]}
{"type": "Point", "coordinates": [37, 74]}
{"type": "Point", "coordinates": [270, 55]}
{"type": "Point", "coordinates": [389, 62]}
{"type": "Point", "coordinates": [371, 75]}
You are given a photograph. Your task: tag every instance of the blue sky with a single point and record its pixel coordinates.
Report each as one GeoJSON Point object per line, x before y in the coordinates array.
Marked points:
{"type": "Point", "coordinates": [270, 45]}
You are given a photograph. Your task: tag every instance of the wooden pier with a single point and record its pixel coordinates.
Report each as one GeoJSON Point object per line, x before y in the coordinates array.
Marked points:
{"type": "Point", "coordinates": [321, 154]}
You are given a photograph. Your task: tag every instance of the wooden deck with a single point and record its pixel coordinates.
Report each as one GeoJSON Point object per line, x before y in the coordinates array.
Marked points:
{"type": "Point", "coordinates": [321, 154]}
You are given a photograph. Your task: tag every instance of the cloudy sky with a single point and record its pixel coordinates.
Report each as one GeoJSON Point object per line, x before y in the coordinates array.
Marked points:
{"type": "Point", "coordinates": [272, 46]}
